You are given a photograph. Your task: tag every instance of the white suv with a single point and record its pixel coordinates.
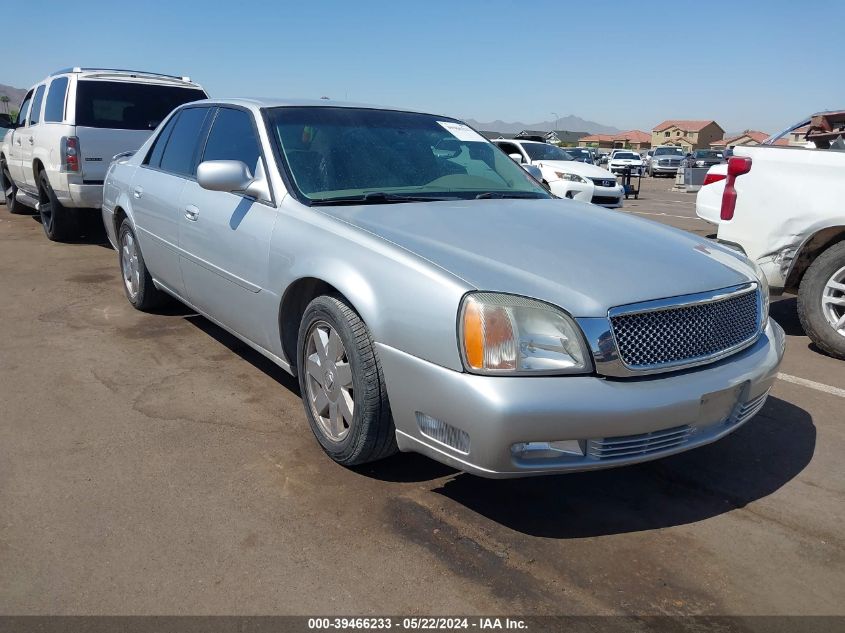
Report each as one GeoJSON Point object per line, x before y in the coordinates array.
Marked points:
{"type": "Point", "coordinates": [70, 126]}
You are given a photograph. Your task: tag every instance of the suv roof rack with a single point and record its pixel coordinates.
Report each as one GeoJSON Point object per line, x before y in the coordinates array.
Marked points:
{"type": "Point", "coordinates": [78, 69]}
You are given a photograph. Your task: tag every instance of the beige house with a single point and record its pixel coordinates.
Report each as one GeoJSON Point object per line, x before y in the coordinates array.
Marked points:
{"type": "Point", "coordinates": [687, 134]}
{"type": "Point", "coordinates": [631, 139]}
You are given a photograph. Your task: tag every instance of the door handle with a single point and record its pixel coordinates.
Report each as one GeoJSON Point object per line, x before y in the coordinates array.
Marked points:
{"type": "Point", "coordinates": [192, 213]}
{"type": "Point", "coordinates": [137, 192]}
{"type": "Point", "coordinates": [18, 141]}
{"type": "Point", "coordinates": [30, 140]}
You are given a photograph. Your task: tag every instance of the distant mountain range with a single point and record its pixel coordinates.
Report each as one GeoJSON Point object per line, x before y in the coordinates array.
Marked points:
{"type": "Point", "coordinates": [571, 123]}
{"type": "Point", "coordinates": [15, 95]}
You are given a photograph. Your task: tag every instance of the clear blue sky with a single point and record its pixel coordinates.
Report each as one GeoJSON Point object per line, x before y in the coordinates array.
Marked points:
{"type": "Point", "coordinates": [748, 64]}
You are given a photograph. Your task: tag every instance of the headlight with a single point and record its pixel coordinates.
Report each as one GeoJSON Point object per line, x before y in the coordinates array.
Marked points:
{"type": "Point", "coordinates": [507, 334]}
{"type": "Point", "coordinates": [764, 290]}
{"type": "Point", "coordinates": [565, 175]}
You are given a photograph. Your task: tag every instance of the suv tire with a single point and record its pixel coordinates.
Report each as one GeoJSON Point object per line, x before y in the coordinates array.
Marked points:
{"type": "Point", "coordinates": [342, 384]}
{"type": "Point", "coordinates": [60, 223]}
{"type": "Point", "coordinates": [137, 283]}
{"type": "Point", "coordinates": [825, 278]}
{"type": "Point", "coordinates": [10, 189]}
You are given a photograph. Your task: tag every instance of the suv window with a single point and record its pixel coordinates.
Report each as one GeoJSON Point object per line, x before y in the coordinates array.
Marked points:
{"type": "Point", "coordinates": [35, 117]}
{"type": "Point", "coordinates": [54, 111]}
{"type": "Point", "coordinates": [232, 137]}
{"type": "Point", "coordinates": [153, 159]}
{"type": "Point", "coordinates": [181, 151]}
{"type": "Point", "coordinates": [123, 105]}
{"type": "Point", "coordinates": [24, 108]}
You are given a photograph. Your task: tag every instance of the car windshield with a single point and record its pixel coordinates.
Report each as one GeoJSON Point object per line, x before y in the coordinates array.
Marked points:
{"type": "Point", "coordinates": [669, 151]}
{"type": "Point", "coordinates": [544, 151]}
{"type": "Point", "coordinates": [336, 154]}
{"type": "Point", "coordinates": [626, 156]}
{"type": "Point", "coordinates": [578, 153]}
{"type": "Point", "coordinates": [706, 153]}
{"type": "Point", "coordinates": [128, 106]}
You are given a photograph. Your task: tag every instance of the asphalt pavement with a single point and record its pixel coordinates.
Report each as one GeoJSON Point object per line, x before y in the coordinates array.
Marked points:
{"type": "Point", "coordinates": [153, 464]}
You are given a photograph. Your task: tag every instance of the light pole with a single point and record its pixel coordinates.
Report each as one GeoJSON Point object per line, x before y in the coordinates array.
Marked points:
{"type": "Point", "coordinates": [557, 120]}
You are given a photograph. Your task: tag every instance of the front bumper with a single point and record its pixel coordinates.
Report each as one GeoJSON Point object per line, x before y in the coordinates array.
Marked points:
{"type": "Point", "coordinates": [664, 169]}
{"type": "Point", "coordinates": [610, 197]}
{"type": "Point", "coordinates": [498, 412]}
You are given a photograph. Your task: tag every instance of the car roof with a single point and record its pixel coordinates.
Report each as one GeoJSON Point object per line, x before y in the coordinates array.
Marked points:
{"type": "Point", "coordinates": [123, 74]}
{"type": "Point", "coordinates": [269, 102]}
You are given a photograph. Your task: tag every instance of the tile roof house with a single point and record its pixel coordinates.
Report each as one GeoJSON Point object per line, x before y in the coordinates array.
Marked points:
{"type": "Point", "coordinates": [630, 139]}
{"type": "Point", "coordinates": [689, 134]}
{"type": "Point", "coordinates": [748, 137]}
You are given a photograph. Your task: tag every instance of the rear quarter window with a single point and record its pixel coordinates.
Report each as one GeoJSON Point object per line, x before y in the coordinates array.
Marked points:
{"type": "Point", "coordinates": [123, 105]}
{"type": "Point", "coordinates": [54, 111]}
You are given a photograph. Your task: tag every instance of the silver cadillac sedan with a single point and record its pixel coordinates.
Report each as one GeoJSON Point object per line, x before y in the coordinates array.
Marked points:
{"type": "Point", "coordinates": [431, 296]}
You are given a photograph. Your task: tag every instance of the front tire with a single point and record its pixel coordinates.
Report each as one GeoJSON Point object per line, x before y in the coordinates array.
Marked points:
{"type": "Point", "coordinates": [137, 283]}
{"type": "Point", "coordinates": [821, 301]}
{"type": "Point", "coordinates": [60, 223]}
{"type": "Point", "coordinates": [342, 384]}
{"type": "Point", "coordinates": [10, 190]}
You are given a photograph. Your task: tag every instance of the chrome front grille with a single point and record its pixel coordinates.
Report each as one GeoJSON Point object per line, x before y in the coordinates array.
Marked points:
{"type": "Point", "coordinates": [604, 182]}
{"type": "Point", "coordinates": [643, 444]}
{"type": "Point", "coordinates": [686, 331]}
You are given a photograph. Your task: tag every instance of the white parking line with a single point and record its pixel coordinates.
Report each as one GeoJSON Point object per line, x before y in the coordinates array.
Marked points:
{"type": "Point", "coordinates": [812, 384]}
{"type": "Point", "coordinates": [667, 215]}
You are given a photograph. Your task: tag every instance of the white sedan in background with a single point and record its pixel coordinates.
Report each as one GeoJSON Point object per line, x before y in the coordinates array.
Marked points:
{"type": "Point", "coordinates": [621, 160]}
{"type": "Point", "coordinates": [566, 177]}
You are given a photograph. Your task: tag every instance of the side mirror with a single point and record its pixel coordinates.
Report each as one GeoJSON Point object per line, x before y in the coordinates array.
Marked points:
{"type": "Point", "coordinates": [534, 171]}
{"type": "Point", "coordinates": [233, 176]}
{"type": "Point", "coordinates": [517, 158]}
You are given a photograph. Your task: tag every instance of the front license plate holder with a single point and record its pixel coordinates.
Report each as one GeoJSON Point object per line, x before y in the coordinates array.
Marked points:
{"type": "Point", "coordinates": [717, 406]}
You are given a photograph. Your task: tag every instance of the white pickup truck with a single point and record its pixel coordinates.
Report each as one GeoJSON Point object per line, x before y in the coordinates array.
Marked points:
{"type": "Point", "coordinates": [784, 207]}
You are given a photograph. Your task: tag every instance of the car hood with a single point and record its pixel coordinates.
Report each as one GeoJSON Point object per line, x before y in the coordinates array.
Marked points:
{"type": "Point", "coordinates": [580, 257]}
{"type": "Point", "coordinates": [626, 161]}
{"type": "Point", "coordinates": [587, 170]}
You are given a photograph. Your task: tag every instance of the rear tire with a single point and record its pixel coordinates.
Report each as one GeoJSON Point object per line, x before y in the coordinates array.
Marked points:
{"type": "Point", "coordinates": [821, 301]}
{"type": "Point", "coordinates": [137, 283]}
{"type": "Point", "coordinates": [60, 223]}
{"type": "Point", "coordinates": [342, 384]}
{"type": "Point", "coordinates": [10, 190]}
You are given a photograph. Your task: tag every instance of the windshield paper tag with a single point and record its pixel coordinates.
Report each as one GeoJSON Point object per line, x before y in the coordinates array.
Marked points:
{"type": "Point", "coordinates": [462, 132]}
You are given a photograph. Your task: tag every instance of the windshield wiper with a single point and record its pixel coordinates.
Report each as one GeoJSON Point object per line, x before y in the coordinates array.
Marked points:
{"type": "Point", "coordinates": [508, 194]}
{"type": "Point", "coordinates": [379, 197]}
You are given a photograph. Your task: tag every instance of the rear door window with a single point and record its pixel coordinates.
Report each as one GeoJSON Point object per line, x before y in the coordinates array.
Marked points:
{"type": "Point", "coordinates": [232, 137]}
{"type": "Point", "coordinates": [182, 150]}
{"type": "Point", "coordinates": [124, 105]}
{"type": "Point", "coordinates": [54, 111]}
{"type": "Point", "coordinates": [35, 117]}
{"type": "Point", "coordinates": [153, 159]}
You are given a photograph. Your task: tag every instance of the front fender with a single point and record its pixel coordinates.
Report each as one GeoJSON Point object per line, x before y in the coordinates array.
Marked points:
{"type": "Point", "coordinates": [407, 302]}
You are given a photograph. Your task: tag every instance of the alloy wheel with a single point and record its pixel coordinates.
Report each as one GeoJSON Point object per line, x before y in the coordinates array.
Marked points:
{"type": "Point", "coordinates": [129, 264]}
{"type": "Point", "coordinates": [833, 301]}
{"type": "Point", "coordinates": [328, 381]}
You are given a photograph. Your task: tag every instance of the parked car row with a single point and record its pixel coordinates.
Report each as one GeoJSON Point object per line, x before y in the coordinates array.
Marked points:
{"type": "Point", "coordinates": [431, 296]}
{"type": "Point", "coordinates": [564, 176]}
